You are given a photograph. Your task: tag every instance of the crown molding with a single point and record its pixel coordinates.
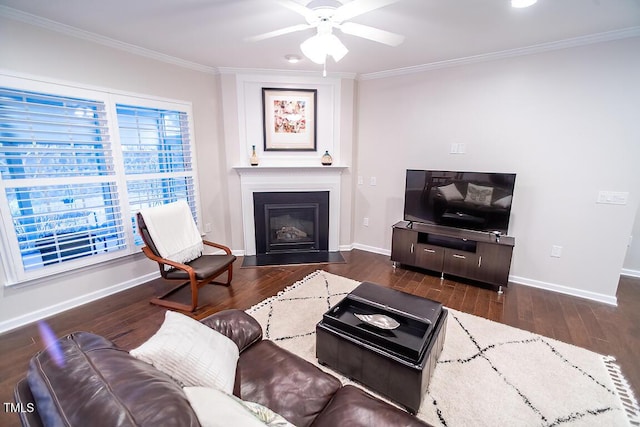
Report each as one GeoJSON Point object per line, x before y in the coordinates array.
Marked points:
{"type": "Point", "coordinates": [303, 73]}
{"type": "Point", "coordinates": [48, 24]}
{"type": "Point", "coordinates": [511, 53]}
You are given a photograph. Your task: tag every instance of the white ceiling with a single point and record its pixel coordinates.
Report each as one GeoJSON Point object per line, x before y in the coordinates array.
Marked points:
{"type": "Point", "coordinates": [212, 32]}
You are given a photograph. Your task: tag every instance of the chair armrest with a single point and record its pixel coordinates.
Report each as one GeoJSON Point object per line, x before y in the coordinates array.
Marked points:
{"type": "Point", "coordinates": [243, 329]}
{"type": "Point", "coordinates": [217, 245]}
{"type": "Point", "coordinates": [149, 253]}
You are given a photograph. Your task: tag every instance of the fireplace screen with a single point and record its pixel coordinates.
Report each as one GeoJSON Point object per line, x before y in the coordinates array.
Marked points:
{"type": "Point", "coordinates": [291, 221]}
{"type": "Point", "coordinates": [292, 227]}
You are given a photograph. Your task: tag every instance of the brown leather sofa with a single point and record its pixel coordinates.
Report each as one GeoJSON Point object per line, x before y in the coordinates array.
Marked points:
{"type": "Point", "coordinates": [102, 385]}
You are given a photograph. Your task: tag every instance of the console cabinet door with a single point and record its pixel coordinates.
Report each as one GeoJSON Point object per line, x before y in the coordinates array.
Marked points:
{"type": "Point", "coordinates": [495, 263]}
{"type": "Point", "coordinates": [429, 257]}
{"type": "Point", "coordinates": [403, 246]}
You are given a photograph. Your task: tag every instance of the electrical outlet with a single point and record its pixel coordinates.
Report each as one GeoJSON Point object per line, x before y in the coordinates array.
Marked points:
{"type": "Point", "coordinates": [365, 221]}
{"type": "Point", "coordinates": [556, 251]}
{"type": "Point", "coordinates": [207, 227]}
{"type": "Point", "coordinates": [613, 197]}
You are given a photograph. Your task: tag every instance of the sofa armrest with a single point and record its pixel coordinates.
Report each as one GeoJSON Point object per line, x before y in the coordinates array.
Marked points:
{"type": "Point", "coordinates": [240, 327]}
{"type": "Point", "coordinates": [29, 416]}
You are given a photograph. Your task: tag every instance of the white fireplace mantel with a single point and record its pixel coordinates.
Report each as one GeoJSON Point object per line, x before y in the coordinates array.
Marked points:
{"type": "Point", "coordinates": [289, 178]}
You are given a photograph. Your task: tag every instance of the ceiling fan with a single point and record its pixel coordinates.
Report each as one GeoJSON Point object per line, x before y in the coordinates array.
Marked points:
{"type": "Point", "coordinates": [325, 15]}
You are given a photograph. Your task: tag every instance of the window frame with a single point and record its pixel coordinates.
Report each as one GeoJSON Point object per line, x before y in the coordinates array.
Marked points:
{"type": "Point", "coordinates": [9, 245]}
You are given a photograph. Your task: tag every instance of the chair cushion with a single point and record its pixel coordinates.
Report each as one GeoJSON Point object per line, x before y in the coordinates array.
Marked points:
{"type": "Point", "coordinates": [205, 266]}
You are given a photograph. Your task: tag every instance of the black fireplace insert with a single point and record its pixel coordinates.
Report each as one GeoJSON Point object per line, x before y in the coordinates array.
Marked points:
{"type": "Point", "coordinates": [291, 222]}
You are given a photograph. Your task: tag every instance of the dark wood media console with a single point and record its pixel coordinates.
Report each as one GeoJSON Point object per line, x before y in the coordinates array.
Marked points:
{"type": "Point", "coordinates": [469, 254]}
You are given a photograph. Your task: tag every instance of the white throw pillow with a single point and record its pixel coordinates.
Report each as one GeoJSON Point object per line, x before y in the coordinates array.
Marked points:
{"type": "Point", "coordinates": [215, 408]}
{"type": "Point", "coordinates": [479, 195]}
{"type": "Point", "coordinates": [505, 202]}
{"type": "Point", "coordinates": [191, 353]}
{"type": "Point", "coordinates": [450, 192]}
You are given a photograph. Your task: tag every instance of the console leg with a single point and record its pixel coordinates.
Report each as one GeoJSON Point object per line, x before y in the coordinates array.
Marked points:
{"type": "Point", "coordinates": [442, 276]}
{"type": "Point", "coordinates": [395, 265]}
{"type": "Point", "coordinates": [500, 291]}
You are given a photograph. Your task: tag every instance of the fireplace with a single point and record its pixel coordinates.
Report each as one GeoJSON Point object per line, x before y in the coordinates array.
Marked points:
{"type": "Point", "coordinates": [291, 222]}
{"type": "Point", "coordinates": [298, 181]}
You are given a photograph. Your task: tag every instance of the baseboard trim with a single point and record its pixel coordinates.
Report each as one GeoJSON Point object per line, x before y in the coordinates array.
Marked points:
{"type": "Point", "coordinates": [34, 316]}
{"type": "Point", "coordinates": [593, 296]}
{"type": "Point", "coordinates": [630, 273]}
{"type": "Point", "coordinates": [373, 249]}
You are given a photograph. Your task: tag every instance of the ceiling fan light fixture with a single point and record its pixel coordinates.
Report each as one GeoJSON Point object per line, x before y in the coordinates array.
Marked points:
{"type": "Point", "coordinates": [336, 48]}
{"type": "Point", "coordinates": [522, 3]}
{"type": "Point", "coordinates": [318, 47]}
{"type": "Point", "coordinates": [313, 49]}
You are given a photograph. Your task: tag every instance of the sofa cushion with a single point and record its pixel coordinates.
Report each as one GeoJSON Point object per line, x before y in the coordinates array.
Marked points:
{"type": "Point", "coordinates": [191, 353]}
{"type": "Point", "coordinates": [216, 408]}
{"type": "Point", "coordinates": [284, 382]}
{"type": "Point", "coordinates": [354, 407]}
{"type": "Point", "coordinates": [104, 384]}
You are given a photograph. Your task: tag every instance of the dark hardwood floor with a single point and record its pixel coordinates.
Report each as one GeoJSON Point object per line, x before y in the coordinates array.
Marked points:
{"type": "Point", "coordinates": [128, 319]}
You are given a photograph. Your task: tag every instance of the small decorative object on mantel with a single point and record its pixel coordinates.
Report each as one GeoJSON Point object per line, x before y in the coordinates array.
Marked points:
{"type": "Point", "coordinates": [326, 158]}
{"type": "Point", "coordinates": [254, 157]}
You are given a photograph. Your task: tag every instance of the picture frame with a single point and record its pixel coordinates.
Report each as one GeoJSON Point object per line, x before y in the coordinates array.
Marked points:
{"type": "Point", "coordinates": [289, 119]}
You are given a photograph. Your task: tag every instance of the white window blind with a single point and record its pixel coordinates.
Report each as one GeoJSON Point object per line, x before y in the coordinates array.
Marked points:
{"type": "Point", "coordinates": [156, 150]}
{"type": "Point", "coordinates": [73, 176]}
{"type": "Point", "coordinates": [58, 177]}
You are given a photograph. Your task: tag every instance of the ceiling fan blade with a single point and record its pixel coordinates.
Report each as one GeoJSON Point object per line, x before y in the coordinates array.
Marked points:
{"type": "Point", "coordinates": [370, 33]}
{"type": "Point", "coordinates": [358, 7]}
{"type": "Point", "coordinates": [280, 32]}
{"type": "Point", "coordinates": [298, 8]}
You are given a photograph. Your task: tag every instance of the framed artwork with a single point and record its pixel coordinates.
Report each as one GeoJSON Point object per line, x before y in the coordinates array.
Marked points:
{"type": "Point", "coordinates": [289, 119]}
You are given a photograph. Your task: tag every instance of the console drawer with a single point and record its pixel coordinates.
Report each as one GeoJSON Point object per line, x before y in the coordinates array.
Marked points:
{"type": "Point", "coordinates": [429, 257]}
{"type": "Point", "coordinates": [461, 263]}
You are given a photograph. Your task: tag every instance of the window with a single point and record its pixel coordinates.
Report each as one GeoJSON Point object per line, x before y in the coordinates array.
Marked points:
{"type": "Point", "coordinates": [73, 177]}
{"type": "Point", "coordinates": [157, 157]}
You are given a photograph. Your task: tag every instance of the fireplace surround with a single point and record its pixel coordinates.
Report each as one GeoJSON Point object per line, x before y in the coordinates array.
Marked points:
{"type": "Point", "coordinates": [289, 179]}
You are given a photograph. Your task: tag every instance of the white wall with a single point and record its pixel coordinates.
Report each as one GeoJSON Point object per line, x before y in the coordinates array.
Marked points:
{"type": "Point", "coordinates": [632, 260]}
{"type": "Point", "coordinates": [565, 121]}
{"type": "Point", "coordinates": [36, 51]}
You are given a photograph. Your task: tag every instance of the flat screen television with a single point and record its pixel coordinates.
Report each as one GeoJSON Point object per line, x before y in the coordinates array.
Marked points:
{"type": "Point", "coordinates": [469, 200]}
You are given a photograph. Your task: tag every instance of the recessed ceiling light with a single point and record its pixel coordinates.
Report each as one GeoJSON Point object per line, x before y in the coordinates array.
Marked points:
{"type": "Point", "coordinates": [522, 3]}
{"type": "Point", "coordinates": [292, 59]}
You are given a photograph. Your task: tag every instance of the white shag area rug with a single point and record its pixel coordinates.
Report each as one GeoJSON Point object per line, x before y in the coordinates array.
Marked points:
{"type": "Point", "coordinates": [488, 373]}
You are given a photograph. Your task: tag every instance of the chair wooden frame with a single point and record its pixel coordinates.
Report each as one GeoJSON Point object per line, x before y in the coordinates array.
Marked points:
{"type": "Point", "coordinates": [193, 282]}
